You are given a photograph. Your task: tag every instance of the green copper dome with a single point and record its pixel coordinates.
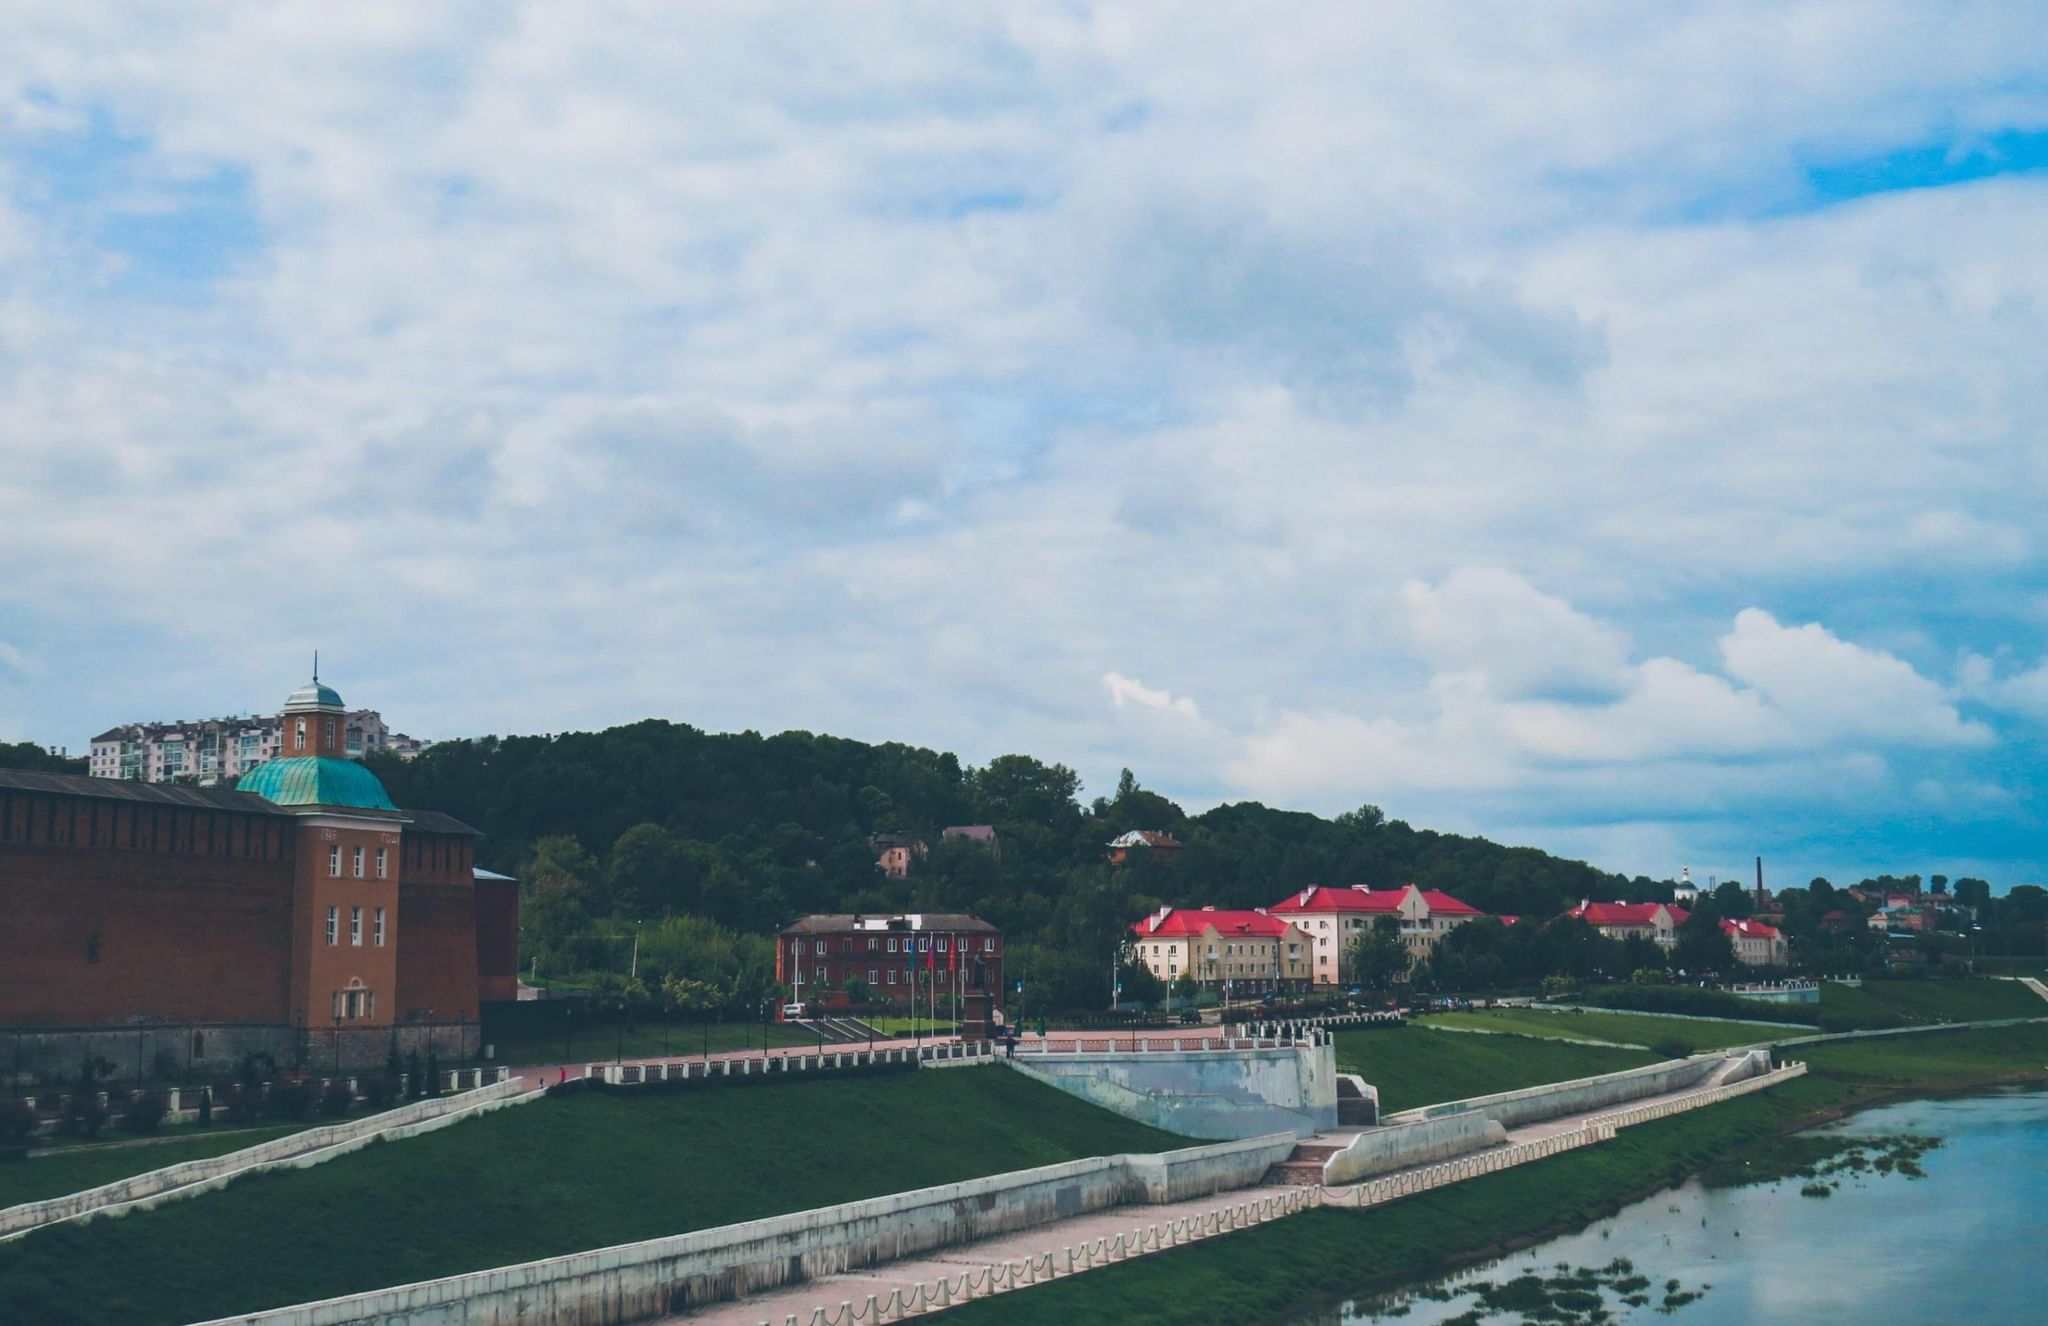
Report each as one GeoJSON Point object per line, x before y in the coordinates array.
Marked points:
{"type": "Point", "coordinates": [309, 780]}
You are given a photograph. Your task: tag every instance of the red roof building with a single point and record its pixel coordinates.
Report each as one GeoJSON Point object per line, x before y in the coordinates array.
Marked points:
{"type": "Point", "coordinates": [1336, 918]}
{"type": "Point", "coordinates": [1619, 920]}
{"type": "Point", "coordinates": [1756, 943]}
{"type": "Point", "coordinates": [1163, 846]}
{"type": "Point", "coordinates": [1222, 949]}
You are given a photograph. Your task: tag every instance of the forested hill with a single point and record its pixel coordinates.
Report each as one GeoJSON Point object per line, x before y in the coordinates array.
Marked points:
{"type": "Point", "coordinates": [751, 830]}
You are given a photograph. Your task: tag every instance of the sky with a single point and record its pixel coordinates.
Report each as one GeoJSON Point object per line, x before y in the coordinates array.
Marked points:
{"type": "Point", "coordinates": [1611, 428]}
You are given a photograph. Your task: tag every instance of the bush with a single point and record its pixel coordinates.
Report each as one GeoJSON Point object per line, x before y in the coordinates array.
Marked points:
{"type": "Point", "coordinates": [336, 1100]}
{"type": "Point", "coordinates": [84, 1116]}
{"type": "Point", "coordinates": [245, 1102]}
{"type": "Point", "coordinates": [378, 1092]}
{"type": "Point", "coordinates": [291, 1100]}
{"type": "Point", "coordinates": [145, 1112]}
{"type": "Point", "coordinates": [17, 1123]}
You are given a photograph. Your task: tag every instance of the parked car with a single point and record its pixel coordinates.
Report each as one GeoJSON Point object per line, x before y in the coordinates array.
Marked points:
{"type": "Point", "coordinates": [790, 1011]}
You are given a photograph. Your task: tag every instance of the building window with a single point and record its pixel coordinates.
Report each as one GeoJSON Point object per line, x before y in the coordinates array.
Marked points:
{"type": "Point", "coordinates": [330, 732]}
{"type": "Point", "coordinates": [892, 945]}
{"type": "Point", "coordinates": [377, 932]}
{"type": "Point", "coordinates": [821, 947]}
{"type": "Point", "coordinates": [333, 923]}
{"type": "Point", "coordinates": [892, 976]}
{"type": "Point", "coordinates": [356, 862]}
{"type": "Point", "coordinates": [382, 854]}
{"type": "Point", "coordinates": [873, 943]}
{"type": "Point", "coordinates": [355, 927]}
{"type": "Point", "coordinates": [942, 943]}
{"type": "Point", "coordinates": [871, 976]}
{"type": "Point", "coordinates": [299, 736]}
{"type": "Point", "coordinates": [334, 860]}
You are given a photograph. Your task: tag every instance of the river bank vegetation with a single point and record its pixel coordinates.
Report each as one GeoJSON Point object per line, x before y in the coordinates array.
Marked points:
{"type": "Point", "coordinates": [1262, 1274]}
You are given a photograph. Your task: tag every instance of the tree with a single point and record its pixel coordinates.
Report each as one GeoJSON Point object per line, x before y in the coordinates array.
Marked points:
{"type": "Point", "coordinates": [1702, 945]}
{"type": "Point", "coordinates": [1185, 986]}
{"type": "Point", "coordinates": [651, 872]}
{"type": "Point", "coordinates": [1972, 892]}
{"type": "Point", "coordinates": [1378, 959]}
{"type": "Point", "coordinates": [1732, 900]}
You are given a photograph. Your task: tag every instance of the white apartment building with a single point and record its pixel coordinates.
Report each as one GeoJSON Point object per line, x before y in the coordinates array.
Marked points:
{"type": "Point", "coordinates": [211, 750]}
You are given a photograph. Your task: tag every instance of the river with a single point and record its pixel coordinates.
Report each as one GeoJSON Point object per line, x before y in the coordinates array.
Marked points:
{"type": "Point", "coordinates": [1962, 1244]}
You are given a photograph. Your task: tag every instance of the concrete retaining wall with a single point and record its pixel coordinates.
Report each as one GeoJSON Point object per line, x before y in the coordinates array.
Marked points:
{"type": "Point", "coordinates": [1220, 1094]}
{"type": "Point", "coordinates": [1534, 1104]}
{"type": "Point", "coordinates": [640, 1280]}
{"type": "Point", "coordinates": [1386, 1149]}
{"type": "Point", "coordinates": [295, 1151]}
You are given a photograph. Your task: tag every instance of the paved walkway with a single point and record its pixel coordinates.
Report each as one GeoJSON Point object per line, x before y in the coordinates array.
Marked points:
{"type": "Point", "coordinates": [776, 1306]}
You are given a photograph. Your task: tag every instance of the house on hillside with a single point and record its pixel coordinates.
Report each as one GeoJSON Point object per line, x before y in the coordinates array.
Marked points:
{"type": "Point", "coordinates": [982, 834]}
{"type": "Point", "coordinates": [895, 955]}
{"type": "Point", "coordinates": [1336, 918]}
{"type": "Point", "coordinates": [1237, 951]}
{"type": "Point", "coordinates": [893, 852]}
{"type": "Point", "coordinates": [1163, 846]}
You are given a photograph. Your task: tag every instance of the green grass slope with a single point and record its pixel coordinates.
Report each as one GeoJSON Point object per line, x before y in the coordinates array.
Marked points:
{"type": "Point", "coordinates": [562, 1175]}
{"type": "Point", "coordinates": [1899, 1003]}
{"type": "Point", "coordinates": [1623, 1028]}
{"type": "Point", "coordinates": [65, 1170]}
{"type": "Point", "coordinates": [1414, 1066]}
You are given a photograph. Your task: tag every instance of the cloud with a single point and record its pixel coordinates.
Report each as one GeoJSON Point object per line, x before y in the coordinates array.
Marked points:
{"type": "Point", "coordinates": [1832, 689]}
{"type": "Point", "coordinates": [2024, 692]}
{"type": "Point", "coordinates": [1527, 642]}
{"type": "Point", "coordinates": [1128, 690]}
{"type": "Point", "coordinates": [1431, 405]}
{"type": "Point", "coordinates": [20, 662]}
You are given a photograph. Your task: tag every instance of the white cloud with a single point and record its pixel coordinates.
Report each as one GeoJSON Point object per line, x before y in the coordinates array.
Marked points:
{"type": "Point", "coordinates": [1428, 404]}
{"type": "Point", "coordinates": [1832, 689]}
{"type": "Point", "coordinates": [2024, 692]}
{"type": "Point", "coordinates": [1128, 690]}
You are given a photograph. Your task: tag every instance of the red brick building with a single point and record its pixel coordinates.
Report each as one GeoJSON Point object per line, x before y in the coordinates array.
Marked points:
{"type": "Point", "coordinates": [893, 954]}
{"type": "Point", "coordinates": [303, 900]}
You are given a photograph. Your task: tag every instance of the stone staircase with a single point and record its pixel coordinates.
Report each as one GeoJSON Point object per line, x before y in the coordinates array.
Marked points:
{"type": "Point", "coordinates": [1354, 1108]}
{"type": "Point", "coordinates": [1305, 1166]}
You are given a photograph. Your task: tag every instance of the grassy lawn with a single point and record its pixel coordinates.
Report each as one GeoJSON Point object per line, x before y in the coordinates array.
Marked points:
{"type": "Point", "coordinates": [1879, 1003]}
{"type": "Point", "coordinates": [1624, 1028]}
{"type": "Point", "coordinates": [649, 1040]}
{"type": "Point", "coordinates": [1414, 1066]}
{"type": "Point", "coordinates": [581, 1171]}
{"type": "Point", "coordinates": [1271, 1272]}
{"type": "Point", "coordinates": [63, 1170]}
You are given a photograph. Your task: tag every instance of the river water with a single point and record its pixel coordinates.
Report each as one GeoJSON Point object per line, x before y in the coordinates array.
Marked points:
{"type": "Point", "coordinates": [1966, 1244]}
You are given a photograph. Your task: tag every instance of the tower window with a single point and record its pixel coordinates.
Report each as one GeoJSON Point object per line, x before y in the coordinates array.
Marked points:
{"type": "Point", "coordinates": [299, 736]}
{"type": "Point", "coordinates": [330, 732]}
{"type": "Point", "coordinates": [334, 860]}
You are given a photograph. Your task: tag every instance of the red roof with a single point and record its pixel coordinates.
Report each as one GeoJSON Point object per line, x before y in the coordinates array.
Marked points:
{"type": "Point", "coordinates": [1358, 898]}
{"type": "Point", "coordinates": [1186, 921]}
{"type": "Point", "coordinates": [1625, 913]}
{"type": "Point", "coordinates": [1748, 930]}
